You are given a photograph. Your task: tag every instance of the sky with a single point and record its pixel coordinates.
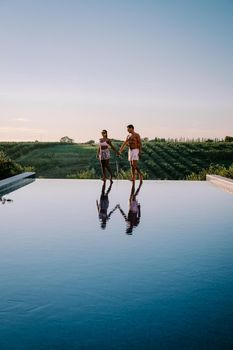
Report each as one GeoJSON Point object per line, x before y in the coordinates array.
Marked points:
{"type": "Point", "coordinates": [75, 67]}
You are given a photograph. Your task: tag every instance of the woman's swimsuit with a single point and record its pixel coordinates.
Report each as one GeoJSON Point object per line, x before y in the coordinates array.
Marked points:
{"type": "Point", "coordinates": [104, 150]}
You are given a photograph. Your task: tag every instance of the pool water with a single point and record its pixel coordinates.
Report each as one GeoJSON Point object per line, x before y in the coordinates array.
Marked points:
{"type": "Point", "coordinates": [79, 270]}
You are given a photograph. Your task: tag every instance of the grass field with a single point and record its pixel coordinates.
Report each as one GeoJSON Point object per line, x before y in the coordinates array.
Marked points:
{"type": "Point", "coordinates": [159, 160]}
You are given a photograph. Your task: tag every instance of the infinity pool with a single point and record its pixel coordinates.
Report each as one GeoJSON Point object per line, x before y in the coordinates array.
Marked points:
{"type": "Point", "coordinates": [79, 271]}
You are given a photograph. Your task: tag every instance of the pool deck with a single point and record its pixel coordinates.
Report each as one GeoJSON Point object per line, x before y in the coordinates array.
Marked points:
{"type": "Point", "coordinates": [14, 182]}
{"type": "Point", "coordinates": [220, 181]}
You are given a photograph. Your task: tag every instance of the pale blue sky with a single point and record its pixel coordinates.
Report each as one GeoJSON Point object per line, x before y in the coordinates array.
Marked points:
{"type": "Point", "coordinates": [76, 67]}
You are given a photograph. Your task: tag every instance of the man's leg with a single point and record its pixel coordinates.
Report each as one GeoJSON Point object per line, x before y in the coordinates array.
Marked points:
{"type": "Point", "coordinates": [136, 167]}
{"type": "Point", "coordinates": [133, 170]}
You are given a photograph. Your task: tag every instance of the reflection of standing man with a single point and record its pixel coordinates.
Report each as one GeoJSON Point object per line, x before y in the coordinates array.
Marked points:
{"type": "Point", "coordinates": [135, 147]}
{"type": "Point", "coordinates": [103, 205]}
{"type": "Point", "coordinates": [134, 214]}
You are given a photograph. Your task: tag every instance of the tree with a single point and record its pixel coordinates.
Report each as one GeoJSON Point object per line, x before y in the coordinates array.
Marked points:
{"type": "Point", "coordinates": [209, 140]}
{"type": "Point", "coordinates": [66, 139]}
{"type": "Point", "coordinates": [228, 139]}
{"type": "Point", "coordinates": [90, 142]}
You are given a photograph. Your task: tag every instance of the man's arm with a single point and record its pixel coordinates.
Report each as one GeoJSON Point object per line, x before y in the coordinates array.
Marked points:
{"type": "Point", "coordinates": [139, 144]}
{"type": "Point", "coordinates": [123, 213]}
{"type": "Point", "coordinates": [124, 145]}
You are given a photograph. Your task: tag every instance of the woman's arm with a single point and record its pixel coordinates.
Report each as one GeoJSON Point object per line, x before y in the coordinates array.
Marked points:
{"type": "Point", "coordinates": [112, 146]}
{"type": "Point", "coordinates": [111, 212]}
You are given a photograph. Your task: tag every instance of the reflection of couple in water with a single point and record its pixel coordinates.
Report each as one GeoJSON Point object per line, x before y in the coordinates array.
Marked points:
{"type": "Point", "coordinates": [134, 214]}
{"type": "Point", "coordinates": [3, 200]}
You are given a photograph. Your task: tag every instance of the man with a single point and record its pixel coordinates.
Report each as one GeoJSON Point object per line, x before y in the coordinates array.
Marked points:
{"type": "Point", "coordinates": [133, 141]}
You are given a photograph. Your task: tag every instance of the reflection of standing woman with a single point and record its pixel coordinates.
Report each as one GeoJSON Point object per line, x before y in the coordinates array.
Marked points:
{"type": "Point", "coordinates": [103, 204]}
{"type": "Point", "coordinates": [103, 154]}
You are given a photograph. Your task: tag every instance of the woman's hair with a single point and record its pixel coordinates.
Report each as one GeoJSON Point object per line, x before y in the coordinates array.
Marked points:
{"type": "Point", "coordinates": [105, 132]}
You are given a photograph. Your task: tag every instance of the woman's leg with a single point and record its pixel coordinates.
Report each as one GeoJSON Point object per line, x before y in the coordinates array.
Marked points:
{"type": "Point", "coordinates": [103, 169]}
{"type": "Point", "coordinates": [109, 169]}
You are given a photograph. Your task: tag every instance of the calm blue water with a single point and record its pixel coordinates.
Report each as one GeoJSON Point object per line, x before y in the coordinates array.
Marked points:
{"type": "Point", "coordinates": [158, 278]}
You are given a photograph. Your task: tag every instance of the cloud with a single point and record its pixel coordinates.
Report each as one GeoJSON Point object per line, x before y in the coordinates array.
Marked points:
{"type": "Point", "coordinates": [21, 120]}
{"type": "Point", "coordinates": [8, 129]}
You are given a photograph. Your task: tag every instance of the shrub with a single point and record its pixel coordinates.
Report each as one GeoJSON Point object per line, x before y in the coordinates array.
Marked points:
{"type": "Point", "coordinates": [83, 174]}
{"type": "Point", "coordinates": [214, 170]}
{"type": "Point", "coordinates": [9, 168]}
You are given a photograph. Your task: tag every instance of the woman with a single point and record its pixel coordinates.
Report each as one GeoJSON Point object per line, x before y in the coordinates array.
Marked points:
{"type": "Point", "coordinates": [103, 154]}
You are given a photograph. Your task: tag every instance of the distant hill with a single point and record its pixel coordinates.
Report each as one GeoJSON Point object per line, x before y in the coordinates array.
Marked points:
{"type": "Point", "coordinates": [160, 160]}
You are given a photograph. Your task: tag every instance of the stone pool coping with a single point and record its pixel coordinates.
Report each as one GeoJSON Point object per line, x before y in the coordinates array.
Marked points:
{"type": "Point", "coordinates": [12, 183]}
{"type": "Point", "coordinates": [220, 181]}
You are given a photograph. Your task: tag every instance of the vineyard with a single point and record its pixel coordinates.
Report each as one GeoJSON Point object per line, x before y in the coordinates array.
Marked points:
{"type": "Point", "coordinates": [159, 160]}
{"type": "Point", "coordinates": [175, 161]}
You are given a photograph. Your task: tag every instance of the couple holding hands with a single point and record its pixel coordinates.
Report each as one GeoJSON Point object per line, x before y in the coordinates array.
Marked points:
{"type": "Point", "coordinates": [133, 141]}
